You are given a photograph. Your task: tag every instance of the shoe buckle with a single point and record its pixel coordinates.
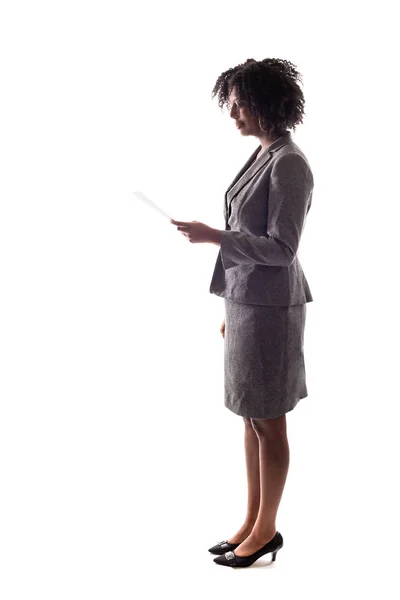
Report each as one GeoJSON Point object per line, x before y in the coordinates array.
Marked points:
{"type": "Point", "coordinates": [231, 558]}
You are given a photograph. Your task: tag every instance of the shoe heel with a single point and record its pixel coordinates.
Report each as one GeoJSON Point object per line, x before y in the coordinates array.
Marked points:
{"type": "Point", "coordinates": [275, 552]}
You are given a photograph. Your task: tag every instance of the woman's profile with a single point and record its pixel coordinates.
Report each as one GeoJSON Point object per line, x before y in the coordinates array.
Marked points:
{"type": "Point", "coordinates": [265, 291]}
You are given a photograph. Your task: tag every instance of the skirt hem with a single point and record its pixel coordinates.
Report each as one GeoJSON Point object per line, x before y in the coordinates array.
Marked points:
{"type": "Point", "coordinates": [265, 416]}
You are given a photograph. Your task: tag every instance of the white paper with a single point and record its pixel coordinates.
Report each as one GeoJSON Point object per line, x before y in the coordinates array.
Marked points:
{"type": "Point", "coordinates": [151, 204]}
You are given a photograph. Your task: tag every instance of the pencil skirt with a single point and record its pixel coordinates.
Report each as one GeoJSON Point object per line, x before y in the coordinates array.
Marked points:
{"type": "Point", "coordinates": [264, 369]}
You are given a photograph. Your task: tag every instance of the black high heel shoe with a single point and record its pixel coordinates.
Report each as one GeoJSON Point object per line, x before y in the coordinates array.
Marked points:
{"type": "Point", "coordinates": [229, 559]}
{"type": "Point", "coordinates": [222, 547]}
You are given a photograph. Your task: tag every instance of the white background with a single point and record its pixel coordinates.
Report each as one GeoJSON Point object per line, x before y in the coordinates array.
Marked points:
{"type": "Point", "coordinates": [120, 465]}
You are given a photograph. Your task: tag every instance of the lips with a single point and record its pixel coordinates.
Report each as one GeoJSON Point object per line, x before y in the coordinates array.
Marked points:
{"type": "Point", "coordinates": [239, 124]}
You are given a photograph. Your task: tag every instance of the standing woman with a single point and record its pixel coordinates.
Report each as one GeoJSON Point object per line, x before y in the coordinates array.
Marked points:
{"type": "Point", "coordinates": [265, 291]}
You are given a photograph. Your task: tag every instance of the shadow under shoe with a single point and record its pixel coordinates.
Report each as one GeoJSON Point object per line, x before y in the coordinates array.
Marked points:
{"type": "Point", "coordinates": [229, 559]}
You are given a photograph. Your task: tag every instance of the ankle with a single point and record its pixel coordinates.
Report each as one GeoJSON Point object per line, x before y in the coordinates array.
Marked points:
{"type": "Point", "coordinates": [266, 533]}
{"type": "Point", "coordinates": [241, 534]}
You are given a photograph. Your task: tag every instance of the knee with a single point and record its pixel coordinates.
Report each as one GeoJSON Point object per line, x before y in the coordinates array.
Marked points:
{"type": "Point", "coordinates": [270, 428]}
{"type": "Point", "coordinates": [248, 423]}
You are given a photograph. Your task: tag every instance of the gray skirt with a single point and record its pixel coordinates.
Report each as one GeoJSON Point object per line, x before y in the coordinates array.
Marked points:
{"type": "Point", "coordinates": [264, 368]}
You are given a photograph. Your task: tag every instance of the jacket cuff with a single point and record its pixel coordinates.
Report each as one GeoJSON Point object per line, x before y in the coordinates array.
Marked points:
{"type": "Point", "coordinates": [227, 252]}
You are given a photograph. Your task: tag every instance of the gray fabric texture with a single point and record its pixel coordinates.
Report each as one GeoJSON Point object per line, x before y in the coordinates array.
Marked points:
{"type": "Point", "coordinates": [264, 368]}
{"type": "Point", "coordinates": [265, 212]}
{"type": "Point", "coordinates": [265, 291]}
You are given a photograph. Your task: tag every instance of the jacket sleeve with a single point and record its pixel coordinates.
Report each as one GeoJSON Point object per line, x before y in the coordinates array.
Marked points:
{"type": "Point", "coordinates": [290, 194]}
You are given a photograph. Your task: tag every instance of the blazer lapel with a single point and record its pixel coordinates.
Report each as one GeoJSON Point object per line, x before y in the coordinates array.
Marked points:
{"type": "Point", "coordinates": [249, 170]}
{"type": "Point", "coordinates": [244, 176]}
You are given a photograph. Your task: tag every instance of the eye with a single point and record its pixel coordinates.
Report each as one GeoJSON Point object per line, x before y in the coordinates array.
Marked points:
{"type": "Point", "coordinates": [238, 104]}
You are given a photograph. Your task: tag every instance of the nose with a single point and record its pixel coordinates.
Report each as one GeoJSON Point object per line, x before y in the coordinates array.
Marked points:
{"type": "Point", "coordinates": [234, 113]}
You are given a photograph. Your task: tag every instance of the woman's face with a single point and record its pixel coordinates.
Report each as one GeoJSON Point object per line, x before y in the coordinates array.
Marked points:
{"type": "Point", "coordinates": [246, 123]}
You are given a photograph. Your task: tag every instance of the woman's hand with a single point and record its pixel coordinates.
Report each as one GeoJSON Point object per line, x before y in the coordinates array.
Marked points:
{"type": "Point", "coordinates": [197, 232]}
{"type": "Point", "coordinates": [222, 328]}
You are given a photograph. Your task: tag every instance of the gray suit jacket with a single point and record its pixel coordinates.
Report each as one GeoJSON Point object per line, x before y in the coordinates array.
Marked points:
{"type": "Point", "coordinates": [265, 211]}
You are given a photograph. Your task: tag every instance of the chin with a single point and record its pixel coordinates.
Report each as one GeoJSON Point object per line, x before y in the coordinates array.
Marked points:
{"type": "Point", "coordinates": [246, 130]}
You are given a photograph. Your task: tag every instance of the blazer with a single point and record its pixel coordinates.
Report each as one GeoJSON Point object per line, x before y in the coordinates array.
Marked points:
{"type": "Point", "coordinates": [265, 211]}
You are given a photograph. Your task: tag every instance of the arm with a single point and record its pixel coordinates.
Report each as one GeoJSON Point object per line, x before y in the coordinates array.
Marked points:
{"type": "Point", "coordinates": [290, 190]}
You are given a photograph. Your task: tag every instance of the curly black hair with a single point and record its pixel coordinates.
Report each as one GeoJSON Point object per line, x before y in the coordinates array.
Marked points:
{"type": "Point", "coordinates": [269, 89]}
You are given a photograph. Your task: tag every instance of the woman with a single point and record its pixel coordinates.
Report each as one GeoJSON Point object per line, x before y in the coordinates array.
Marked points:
{"type": "Point", "coordinates": [265, 292]}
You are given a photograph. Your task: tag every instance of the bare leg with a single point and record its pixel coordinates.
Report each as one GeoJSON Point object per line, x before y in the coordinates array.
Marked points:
{"type": "Point", "coordinates": [274, 465]}
{"type": "Point", "coordinates": [253, 482]}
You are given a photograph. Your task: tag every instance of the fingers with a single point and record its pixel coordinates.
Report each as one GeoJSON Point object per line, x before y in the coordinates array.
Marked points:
{"type": "Point", "coordinates": [182, 225]}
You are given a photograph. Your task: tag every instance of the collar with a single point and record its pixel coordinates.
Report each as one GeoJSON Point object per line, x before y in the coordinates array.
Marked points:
{"type": "Point", "coordinates": [253, 165]}
{"type": "Point", "coordinates": [286, 138]}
